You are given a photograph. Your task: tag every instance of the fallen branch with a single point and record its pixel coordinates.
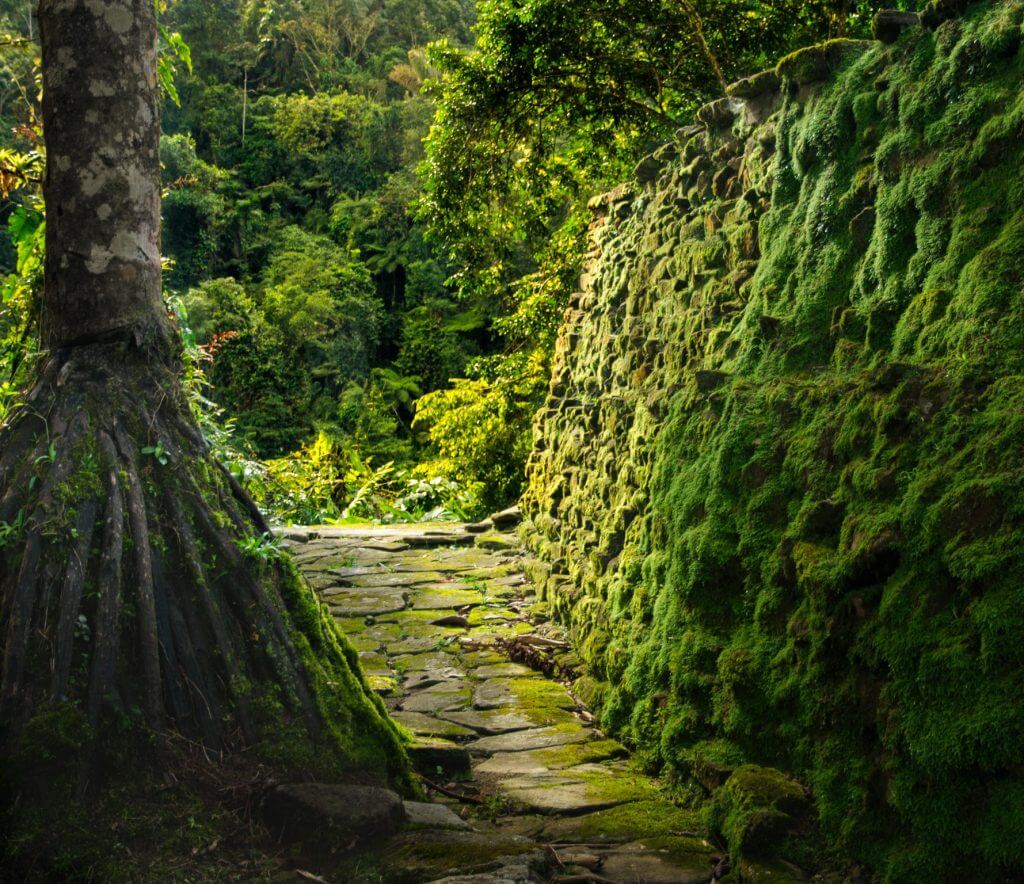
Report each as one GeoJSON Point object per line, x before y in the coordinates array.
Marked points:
{"type": "Point", "coordinates": [451, 793]}
{"type": "Point", "coordinates": [555, 856]}
{"type": "Point", "coordinates": [539, 641]}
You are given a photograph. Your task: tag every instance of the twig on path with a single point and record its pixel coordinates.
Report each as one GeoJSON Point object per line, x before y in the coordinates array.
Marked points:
{"type": "Point", "coordinates": [451, 793]}
{"type": "Point", "coordinates": [555, 857]}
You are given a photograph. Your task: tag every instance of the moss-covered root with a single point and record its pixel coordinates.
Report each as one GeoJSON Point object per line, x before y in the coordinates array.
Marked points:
{"type": "Point", "coordinates": [142, 596]}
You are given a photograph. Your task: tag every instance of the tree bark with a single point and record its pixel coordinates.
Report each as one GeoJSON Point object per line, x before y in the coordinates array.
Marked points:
{"type": "Point", "coordinates": [101, 119]}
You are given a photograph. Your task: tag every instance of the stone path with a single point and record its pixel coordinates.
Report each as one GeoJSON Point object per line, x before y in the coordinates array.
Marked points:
{"type": "Point", "coordinates": [528, 788]}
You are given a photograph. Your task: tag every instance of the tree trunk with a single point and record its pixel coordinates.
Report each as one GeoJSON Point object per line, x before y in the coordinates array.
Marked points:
{"type": "Point", "coordinates": [101, 121]}
{"type": "Point", "coordinates": [138, 593]}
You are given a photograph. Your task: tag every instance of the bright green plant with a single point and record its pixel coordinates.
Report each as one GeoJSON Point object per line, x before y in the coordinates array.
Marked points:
{"type": "Point", "coordinates": [480, 428]}
{"type": "Point", "coordinates": [264, 548]}
{"type": "Point", "coordinates": [10, 532]}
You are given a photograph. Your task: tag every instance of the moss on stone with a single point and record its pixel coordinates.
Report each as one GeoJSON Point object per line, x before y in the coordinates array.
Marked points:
{"type": "Point", "coordinates": [816, 63]}
{"type": "Point", "coordinates": [358, 736]}
{"type": "Point", "coordinates": [626, 822]}
{"type": "Point", "coordinates": [431, 854]}
{"type": "Point", "coordinates": [755, 810]}
{"type": "Point", "coordinates": [572, 754]}
{"type": "Point", "coordinates": [816, 549]}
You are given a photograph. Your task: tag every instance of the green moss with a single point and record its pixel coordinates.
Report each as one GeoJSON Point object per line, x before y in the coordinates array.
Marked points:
{"type": "Point", "coordinates": [413, 857]}
{"type": "Point", "coordinates": [628, 822]}
{"type": "Point", "coordinates": [85, 482]}
{"type": "Point", "coordinates": [755, 810]}
{"type": "Point", "coordinates": [561, 757]}
{"type": "Point", "coordinates": [816, 63]}
{"type": "Point", "coordinates": [357, 733]}
{"type": "Point", "coordinates": [828, 516]}
{"type": "Point", "coordinates": [536, 693]}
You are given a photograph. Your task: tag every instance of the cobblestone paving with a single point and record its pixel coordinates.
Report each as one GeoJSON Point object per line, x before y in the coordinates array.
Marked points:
{"type": "Point", "coordinates": [539, 792]}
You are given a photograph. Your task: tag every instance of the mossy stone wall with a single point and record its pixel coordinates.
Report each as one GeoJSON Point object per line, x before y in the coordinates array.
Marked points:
{"type": "Point", "coordinates": [777, 487]}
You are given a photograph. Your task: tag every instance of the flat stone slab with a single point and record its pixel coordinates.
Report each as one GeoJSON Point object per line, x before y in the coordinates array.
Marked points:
{"type": "Point", "coordinates": [421, 680]}
{"type": "Point", "coordinates": [533, 738]}
{"type": "Point", "coordinates": [482, 657]}
{"type": "Point", "coordinates": [465, 559]}
{"type": "Point", "coordinates": [431, 854]}
{"type": "Point", "coordinates": [578, 790]}
{"type": "Point", "coordinates": [434, 701]}
{"type": "Point", "coordinates": [322, 582]}
{"type": "Point", "coordinates": [492, 722]}
{"type": "Point", "coordinates": [521, 693]}
{"type": "Point", "coordinates": [623, 823]}
{"type": "Point", "coordinates": [659, 861]}
{"type": "Point", "coordinates": [385, 545]}
{"type": "Point", "coordinates": [515, 579]}
{"type": "Point", "coordinates": [331, 560]}
{"type": "Point", "coordinates": [415, 644]}
{"type": "Point", "coordinates": [536, 762]}
{"type": "Point", "coordinates": [360, 603]}
{"type": "Point", "coordinates": [437, 599]}
{"type": "Point", "coordinates": [505, 670]}
{"type": "Point", "coordinates": [433, 662]}
{"type": "Point", "coordinates": [507, 764]}
{"type": "Point", "coordinates": [439, 539]}
{"type": "Point", "coordinates": [424, 815]}
{"type": "Point", "coordinates": [393, 579]}
{"type": "Point", "coordinates": [430, 562]}
{"type": "Point", "coordinates": [428, 726]}
{"type": "Point", "coordinates": [489, 615]}
{"type": "Point", "coordinates": [569, 797]}
{"type": "Point", "coordinates": [359, 570]}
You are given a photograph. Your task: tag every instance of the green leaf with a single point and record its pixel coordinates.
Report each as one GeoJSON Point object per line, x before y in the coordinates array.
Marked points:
{"type": "Point", "coordinates": [165, 73]}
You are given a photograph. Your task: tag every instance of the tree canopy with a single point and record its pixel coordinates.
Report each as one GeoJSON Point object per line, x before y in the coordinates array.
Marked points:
{"type": "Point", "coordinates": [384, 204]}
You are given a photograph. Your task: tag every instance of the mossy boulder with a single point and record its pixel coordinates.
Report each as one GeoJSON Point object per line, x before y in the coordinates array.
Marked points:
{"type": "Point", "coordinates": [756, 808]}
{"type": "Point", "coordinates": [816, 64]}
{"type": "Point", "coordinates": [756, 85]}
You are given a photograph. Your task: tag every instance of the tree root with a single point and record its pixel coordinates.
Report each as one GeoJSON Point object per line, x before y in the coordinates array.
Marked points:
{"type": "Point", "coordinates": [125, 593]}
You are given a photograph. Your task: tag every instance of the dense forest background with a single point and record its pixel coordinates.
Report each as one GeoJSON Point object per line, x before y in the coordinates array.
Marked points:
{"type": "Point", "coordinates": [374, 214]}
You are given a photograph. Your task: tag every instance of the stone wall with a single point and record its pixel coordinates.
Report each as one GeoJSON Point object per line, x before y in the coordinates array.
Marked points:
{"type": "Point", "coordinates": [776, 489]}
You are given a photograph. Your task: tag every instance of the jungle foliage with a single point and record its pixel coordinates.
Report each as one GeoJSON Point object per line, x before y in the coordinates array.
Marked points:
{"type": "Point", "coordinates": [374, 214]}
